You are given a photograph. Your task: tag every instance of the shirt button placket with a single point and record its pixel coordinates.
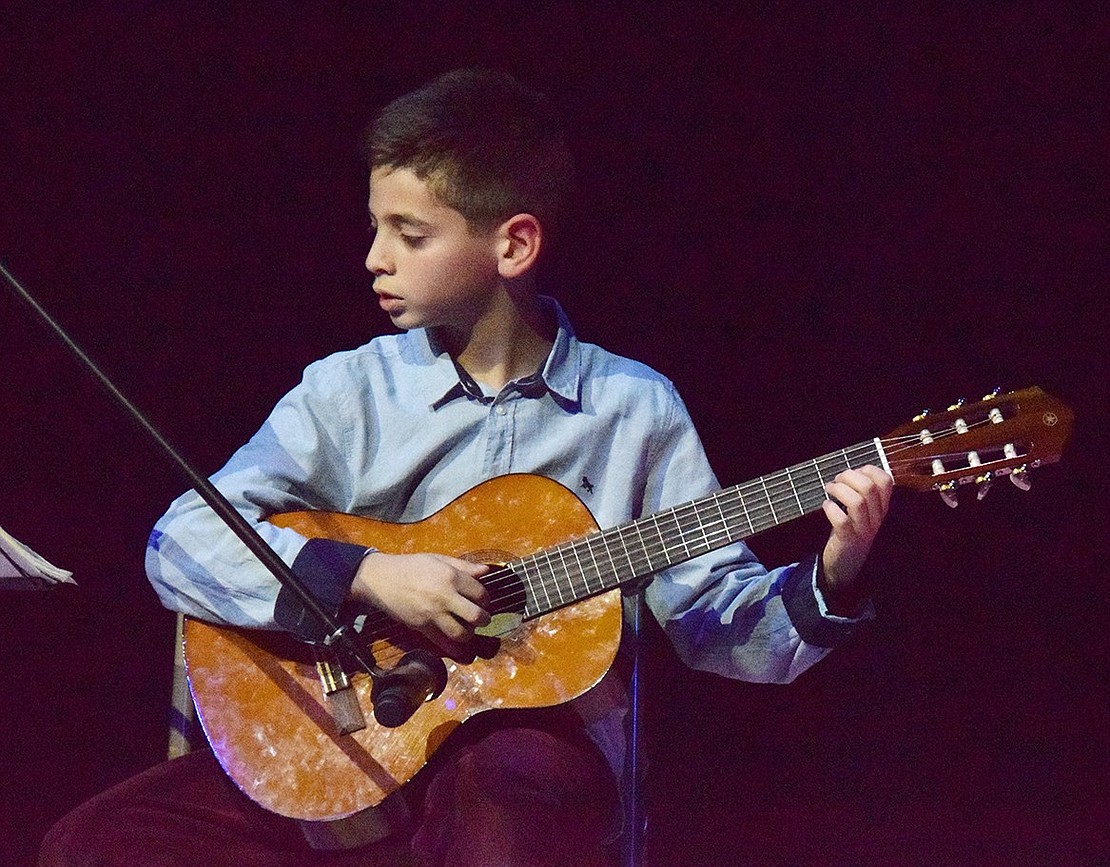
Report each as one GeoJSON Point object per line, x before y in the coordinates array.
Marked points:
{"type": "Point", "coordinates": [499, 450]}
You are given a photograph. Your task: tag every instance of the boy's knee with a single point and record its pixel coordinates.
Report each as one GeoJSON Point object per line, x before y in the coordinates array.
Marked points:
{"type": "Point", "coordinates": [514, 762]}
{"type": "Point", "coordinates": [108, 831]}
{"type": "Point", "coordinates": [523, 770]}
{"type": "Point", "coordinates": [72, 841]}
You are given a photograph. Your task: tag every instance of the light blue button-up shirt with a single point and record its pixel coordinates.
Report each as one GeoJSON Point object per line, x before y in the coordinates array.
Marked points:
{"type": "Point", "coordinates": [395, 430]}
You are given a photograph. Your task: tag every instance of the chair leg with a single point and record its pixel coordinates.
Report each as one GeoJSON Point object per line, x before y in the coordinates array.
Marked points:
{"type": "Point", "coordinates": [183, 716]}
{"type": "Point", "coordinates": [635, 813]}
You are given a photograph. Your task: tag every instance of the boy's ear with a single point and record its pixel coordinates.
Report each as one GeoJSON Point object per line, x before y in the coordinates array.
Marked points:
{"type": "Point", "coordinates": [521, 237]}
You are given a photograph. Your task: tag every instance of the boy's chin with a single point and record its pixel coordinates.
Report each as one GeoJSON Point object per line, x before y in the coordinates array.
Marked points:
{"type": "Point", "coordinates": [407, 322]}
{"type": "Point", "coordinates": [402, 318]}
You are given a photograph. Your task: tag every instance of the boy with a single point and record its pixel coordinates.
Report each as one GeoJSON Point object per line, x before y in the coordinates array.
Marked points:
{"type": "Point", "coordinates": [467, 179]}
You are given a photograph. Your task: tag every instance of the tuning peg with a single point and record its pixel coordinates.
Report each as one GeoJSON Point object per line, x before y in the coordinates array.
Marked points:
{"type": "Point", "coordinates": [997, 391]}
{"type": "Point", "coordinates": [956, 405]}
{"type": "Point", "coordinates": [921, 415]}
{"type": "Point", "coordinates": [1020, 478]}
{"type": "Point", "coordinates": [984, 484]}
{"type": "Point", "coordinates": [947, 493]}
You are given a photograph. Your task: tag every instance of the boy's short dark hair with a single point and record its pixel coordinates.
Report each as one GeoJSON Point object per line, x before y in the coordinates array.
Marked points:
{"type": "Point", "coordinates": [486, 145]}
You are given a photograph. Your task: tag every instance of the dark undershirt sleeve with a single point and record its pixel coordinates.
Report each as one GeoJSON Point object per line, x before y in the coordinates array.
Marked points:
{"type": "Point", "coordinates": [327, 568]}
{"type": "Point", "coordinates": [800, 599]}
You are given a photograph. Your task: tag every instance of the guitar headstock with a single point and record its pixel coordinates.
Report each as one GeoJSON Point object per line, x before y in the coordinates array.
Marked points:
{"type": "Point", "coordinates": [1001, 435]}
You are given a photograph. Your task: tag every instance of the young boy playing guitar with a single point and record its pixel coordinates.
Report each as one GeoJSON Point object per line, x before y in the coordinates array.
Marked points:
{"type": "Point", "coordinates": [468, 176]}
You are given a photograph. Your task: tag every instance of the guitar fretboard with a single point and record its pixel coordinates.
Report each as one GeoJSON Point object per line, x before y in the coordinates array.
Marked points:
{"type": "Point", "coordinates": [602, 561]}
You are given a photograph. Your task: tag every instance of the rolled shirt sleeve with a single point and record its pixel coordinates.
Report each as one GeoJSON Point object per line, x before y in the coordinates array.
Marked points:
{"type": "Point", "coordinates": [725, 612]}
{"type": "Point", "coordinates": [295, 461]}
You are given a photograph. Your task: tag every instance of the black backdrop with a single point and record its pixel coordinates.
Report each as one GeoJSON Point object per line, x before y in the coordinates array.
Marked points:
{"type": "Point", "coordinates": [816, 221]}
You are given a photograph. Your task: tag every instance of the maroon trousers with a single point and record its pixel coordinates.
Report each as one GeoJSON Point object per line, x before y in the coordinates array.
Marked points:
{"type": "Point", "coordinates": [517, 794]}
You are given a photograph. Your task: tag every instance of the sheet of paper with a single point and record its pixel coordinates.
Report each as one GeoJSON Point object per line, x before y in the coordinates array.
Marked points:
{"type": "Point", "coordinates": [19, 565]}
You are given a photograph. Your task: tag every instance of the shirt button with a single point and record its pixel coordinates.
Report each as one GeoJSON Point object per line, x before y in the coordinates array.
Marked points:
{"type": "Point", "coordinates": [500, 409]}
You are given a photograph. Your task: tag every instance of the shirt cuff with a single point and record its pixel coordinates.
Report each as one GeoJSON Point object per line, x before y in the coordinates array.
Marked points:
{"type": "Point", "coordinates": [809, 612]}
{"type": "Point", "coordinates": [326, 568]}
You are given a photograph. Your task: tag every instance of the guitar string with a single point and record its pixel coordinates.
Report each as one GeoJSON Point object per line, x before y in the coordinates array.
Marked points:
{"type": "Point", "coordinates": [720, 537]}
{"type": "Point", "coordinates": [682, 514]}
{"type": "Point", "coordinates": [697, 523]}
{"type": "Point", "coordinates": [514, 600]}
{"type": "Point", "coordinates": [685, 515]}
{"type": "Point", "coordinates": [715, 533]}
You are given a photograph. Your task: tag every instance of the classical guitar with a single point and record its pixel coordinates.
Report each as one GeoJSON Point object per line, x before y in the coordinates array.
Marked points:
{"type": "Point", "coordinates": [261, 696]}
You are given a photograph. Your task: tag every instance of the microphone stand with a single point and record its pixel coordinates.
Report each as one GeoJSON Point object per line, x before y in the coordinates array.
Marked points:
{"type": "Point", "coordinates": [338, 634]}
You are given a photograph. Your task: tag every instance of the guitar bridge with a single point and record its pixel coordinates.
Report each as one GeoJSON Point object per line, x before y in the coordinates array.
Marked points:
{"type": "Point", "coordinates": [340, 698]}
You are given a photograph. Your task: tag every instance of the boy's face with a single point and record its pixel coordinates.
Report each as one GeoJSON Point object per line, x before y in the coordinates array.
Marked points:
{"type": "Point", "coordinates": [429, 269]}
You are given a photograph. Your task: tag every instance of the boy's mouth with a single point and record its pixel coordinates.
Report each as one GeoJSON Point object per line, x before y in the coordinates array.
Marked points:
{"type": "Point", "coordinates": [388, 301]}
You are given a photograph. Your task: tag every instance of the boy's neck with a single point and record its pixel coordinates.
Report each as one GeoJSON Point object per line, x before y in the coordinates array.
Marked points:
{"type": "Point", "coordinates": [511, 340]}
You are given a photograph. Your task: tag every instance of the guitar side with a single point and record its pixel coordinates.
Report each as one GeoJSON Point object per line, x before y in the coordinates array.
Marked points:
{"type": "Point", "coordinates": [261, 703]}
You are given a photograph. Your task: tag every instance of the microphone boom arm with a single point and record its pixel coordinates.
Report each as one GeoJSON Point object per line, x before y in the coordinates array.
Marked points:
{"type": "Point", "coordinates": [337, 633]}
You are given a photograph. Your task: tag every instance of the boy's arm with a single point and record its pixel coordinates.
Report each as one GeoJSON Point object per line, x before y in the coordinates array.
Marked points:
{"type": "Point", "coordinates": [726, 612]}
{"type": "Point", "coordinates": [198, 567]}
{"type": "Point", "coordinates": [437, 595]}
{"type": "Point", "coordinates": [296, 461]}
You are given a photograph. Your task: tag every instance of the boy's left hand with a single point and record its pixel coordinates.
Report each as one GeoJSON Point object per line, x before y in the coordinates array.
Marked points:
{"type": "Point", "coordinates": [861, 500]}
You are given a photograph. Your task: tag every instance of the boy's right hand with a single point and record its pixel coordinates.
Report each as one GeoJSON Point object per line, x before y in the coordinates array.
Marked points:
{"type": "Point", "coordinates": [439, 596]}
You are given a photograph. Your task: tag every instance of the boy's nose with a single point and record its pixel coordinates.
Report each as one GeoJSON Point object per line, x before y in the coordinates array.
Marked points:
{"type": "Point", "coordinates": [375, 261]}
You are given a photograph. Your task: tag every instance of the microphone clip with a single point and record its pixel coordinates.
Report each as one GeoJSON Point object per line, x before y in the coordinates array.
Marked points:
{"type": "Point", "coordinates": [398, 693]}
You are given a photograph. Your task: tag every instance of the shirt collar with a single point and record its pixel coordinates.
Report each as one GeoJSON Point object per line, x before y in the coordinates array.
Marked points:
{"type": "Point", "coordinates": [561, 373]}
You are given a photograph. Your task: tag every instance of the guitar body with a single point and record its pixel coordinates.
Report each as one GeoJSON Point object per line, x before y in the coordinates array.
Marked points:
{"type": "Point", "coordinates": [261, 703]}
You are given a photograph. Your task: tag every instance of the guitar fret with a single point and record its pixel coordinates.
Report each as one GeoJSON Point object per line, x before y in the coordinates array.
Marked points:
{"type": "Point", "coordinates": [703, 544]}
{"type": "Point", "coordinates": [794, 489]}
{"type": "Point", "coordinates": [566, 571]}
{"type": "Point", "coordinates": [820, 478]}
{"type": "Point", "coordinates": [831, 467]}
{"type": "Point", "coordinates": [597, 569]}
{"type": "Point", "coordinates": [575, 594]}
{"type": "Point", "coordinates": [543, 582]}
{"type": "Point", "coordinates": [767, 494]}
{"type": "Point", "coordinates": [677, 532]}
{"type": "Point", "coordinates": [702, 525]}
{"type": "Point", "coordinates": [614, 571]}
{"type": "Point", "coordinates": [687, 546]}
{"type": "Point", "coordinates": [744, 509]}
{"type": "Point", "coordinates": [662, 542]}
{"type": "Point", "coordinates": [817, 493]}
{"type": "Point", "coordinates": [640, 538]}
{"type": "Point", "coordinates": [627, 556]}
{"type": "Point", "coordinates": [686, 529]}
{"type": "Point", "coordinates": [721, 513]}
{"type": "Point", "coordinates": [531, 600]}
{"type": "Point", "coordinates": [751, 514]}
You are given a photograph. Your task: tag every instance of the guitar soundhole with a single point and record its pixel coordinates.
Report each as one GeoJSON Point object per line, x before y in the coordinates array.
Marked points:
{"type": "Point", "coordinates": [505, 588]}
{"type": "Point", "coordinates": [479, 647]}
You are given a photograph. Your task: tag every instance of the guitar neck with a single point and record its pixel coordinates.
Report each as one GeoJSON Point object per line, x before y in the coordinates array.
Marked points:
{"type": "Point", "coordinates": [602, 561]}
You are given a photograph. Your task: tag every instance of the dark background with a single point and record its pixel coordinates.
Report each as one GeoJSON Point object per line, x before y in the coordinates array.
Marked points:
{"type": "Point", "coordinates": [817, 220]}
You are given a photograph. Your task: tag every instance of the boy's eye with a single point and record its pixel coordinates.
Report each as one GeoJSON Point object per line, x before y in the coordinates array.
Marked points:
{"type": "Point", "coordinates": [413, 240]}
